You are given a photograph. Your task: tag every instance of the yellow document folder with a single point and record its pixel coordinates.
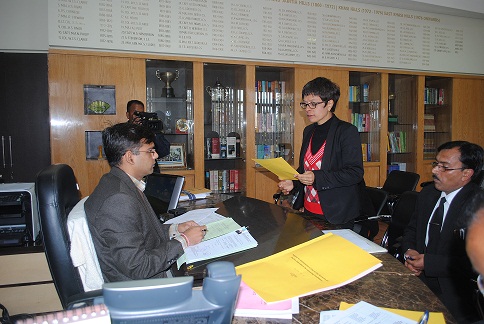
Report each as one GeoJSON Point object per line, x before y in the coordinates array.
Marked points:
{"type": "Point", "coordinates": [279, 167]}
{"type": "Point", "coordinates": [323, 263]}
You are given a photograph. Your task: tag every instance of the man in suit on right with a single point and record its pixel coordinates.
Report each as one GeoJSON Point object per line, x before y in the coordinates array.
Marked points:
{"type": "Point", "coordinates": [434, 250]}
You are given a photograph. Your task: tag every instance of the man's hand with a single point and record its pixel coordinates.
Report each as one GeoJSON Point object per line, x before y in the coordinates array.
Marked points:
{"type": "Point", "coordinates": [414, 261]}
{"type": "Point", "coordinates": [195, 234]}
{"type": "Point", "coordinates": [182, 227]}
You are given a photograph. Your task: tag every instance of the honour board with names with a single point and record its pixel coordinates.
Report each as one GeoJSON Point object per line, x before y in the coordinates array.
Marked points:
{"type": "Point", "coordinates": [312, 32]}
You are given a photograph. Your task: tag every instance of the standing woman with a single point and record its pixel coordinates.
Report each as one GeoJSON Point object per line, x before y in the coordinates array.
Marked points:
{"type": "Point", "coordinates": [330, 172]}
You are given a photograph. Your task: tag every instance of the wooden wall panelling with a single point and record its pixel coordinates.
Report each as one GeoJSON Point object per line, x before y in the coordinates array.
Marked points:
{"type": "Point", "coordinates": [68, 73]}
{"type": "Point", "coordinates": [198, 150]}
{"type": "Point", "coordinates": [251, 181]}
{"type": "Point", "coordinates": [468, 110]}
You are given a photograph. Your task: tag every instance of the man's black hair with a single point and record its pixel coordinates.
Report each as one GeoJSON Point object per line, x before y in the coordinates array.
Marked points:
{"type": "Point", "coordinates": [123, 137]}
{"type": "Point", "coordinates": [471, 155]}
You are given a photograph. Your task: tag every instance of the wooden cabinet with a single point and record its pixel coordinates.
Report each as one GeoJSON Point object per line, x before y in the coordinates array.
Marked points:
{"type": "Point", "coordinates": [26, 284]}
{"type": "Point", "coordinates": [24, 125]}
{"type": "Point", "coordinates": [394, 103]}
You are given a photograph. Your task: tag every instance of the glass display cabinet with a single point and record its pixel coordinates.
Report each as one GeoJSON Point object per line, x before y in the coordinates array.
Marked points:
{"type": "Point", "coordinates": [169, 94]}
{"type": "Point", "coordinates": [402, 122]}
{"type": "Point", "coordinates": [364, 105]}
{"type": "Point", "coordinates": [437, 114]}
{"type": "Point", "coordinates": [224, 127]}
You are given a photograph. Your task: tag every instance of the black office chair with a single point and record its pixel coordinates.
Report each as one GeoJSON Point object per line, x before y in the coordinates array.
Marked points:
{"type": "Point", "coordinates": [396, 183]}
{"type": "Point", "coordinates": [400, 217]}
{"type": "Point", "coordinates": [372, 201]}
{"type": "Point", "coordinates": [57, 193]}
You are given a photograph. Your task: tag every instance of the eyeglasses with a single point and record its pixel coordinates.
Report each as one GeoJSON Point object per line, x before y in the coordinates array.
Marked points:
{"type": "Point", "coordinates": [480, 284]}
{"type": "Point", "coordinates": [443, 168]}
{"type": "Point", "coordinates": [311, 105]}
{"type": "Point", "coordinates": [151, 151]}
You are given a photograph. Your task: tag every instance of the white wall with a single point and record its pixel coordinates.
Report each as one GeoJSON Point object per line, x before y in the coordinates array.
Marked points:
{"type": "Point", "coordinates": [23, 26]}
{"type": "Point", "coordinates": [23, 23]}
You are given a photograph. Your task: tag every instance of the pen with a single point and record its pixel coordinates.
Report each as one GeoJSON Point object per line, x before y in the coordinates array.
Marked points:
{"type": "Point", "coordinates": [424, 319]}
{"type": "Point", "coordinates": [407, 257]}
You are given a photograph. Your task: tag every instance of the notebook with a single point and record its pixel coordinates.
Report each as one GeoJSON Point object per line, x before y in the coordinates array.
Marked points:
{"type": "Point", "coordinates": [163, 191]}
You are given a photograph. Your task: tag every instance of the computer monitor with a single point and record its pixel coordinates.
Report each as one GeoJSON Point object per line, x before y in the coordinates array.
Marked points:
{"type": "Point", "coordinates": [163, 191]}
{"type": "Point", "coordinates": [172, 300]}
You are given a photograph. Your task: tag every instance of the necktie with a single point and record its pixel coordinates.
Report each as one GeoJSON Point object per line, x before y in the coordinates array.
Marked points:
{"type": "Point", "coordinates": [435, 226]}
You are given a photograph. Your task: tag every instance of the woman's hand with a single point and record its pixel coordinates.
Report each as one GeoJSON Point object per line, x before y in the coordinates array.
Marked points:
{"type": "Point", "coordinates": [285, 186]}
{"type": "Point", "coordinates": [307, 178]}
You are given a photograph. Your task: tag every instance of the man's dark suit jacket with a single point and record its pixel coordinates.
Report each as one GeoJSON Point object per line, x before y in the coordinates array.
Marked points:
{"type": "Point", "coordinates": [130, 241]}
{"type": "Point", "coordinates": [341, 172]}
{"type": "Point", "coordinates": [449, 268]}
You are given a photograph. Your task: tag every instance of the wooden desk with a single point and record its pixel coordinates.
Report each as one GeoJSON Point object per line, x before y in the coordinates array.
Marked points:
{"type": "Point", "coordinates": [26, 285]}
{"type": "Point", "coordinates": [276, 228]}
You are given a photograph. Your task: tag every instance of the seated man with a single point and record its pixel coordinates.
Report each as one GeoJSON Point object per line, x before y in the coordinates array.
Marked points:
{"type": "Point", "coordinates": [130, 241]}
{"type": "Point", "coordinates": [434, 250]}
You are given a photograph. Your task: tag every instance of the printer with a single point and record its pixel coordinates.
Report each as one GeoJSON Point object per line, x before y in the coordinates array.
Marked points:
{"type": "Point", "coordinates": [19, 217]}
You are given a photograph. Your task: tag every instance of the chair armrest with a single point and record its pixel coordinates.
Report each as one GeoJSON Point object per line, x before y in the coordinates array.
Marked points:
{"type": "Point", "coordinates": [85, 299]}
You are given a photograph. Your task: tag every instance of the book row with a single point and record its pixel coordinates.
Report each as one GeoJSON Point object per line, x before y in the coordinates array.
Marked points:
{"type": "Point", "coordinates": [222, 180]}
{"type": "Point", "coordinates": [222, 147]}
{"type": "Point", "coordinates": [366, 151]}
{"type": "Point", "coordinates": [359, 93]}
{"type": "Point", "coordinates": [397, 142]}
{"type": "Point", "coordinates": [429, 123]}
{"type": "Point", "coordinates": [361, 121]}
{"type": "Point", "coordinates": [434, 96]}
{"type": "Point", "coordinates": [265, 151]}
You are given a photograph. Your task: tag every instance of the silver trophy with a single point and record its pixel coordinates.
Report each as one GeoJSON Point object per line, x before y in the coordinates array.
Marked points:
{"type": "Point", "coordinates": [167, 77]}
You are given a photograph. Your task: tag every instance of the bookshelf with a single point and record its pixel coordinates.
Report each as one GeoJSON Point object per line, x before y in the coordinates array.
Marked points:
{"type": "Point", "coordinates": [224, 127]}
{"type": "Point", "coordinates": [437, 114]}
{"type": "Point", "coordinates": [364, 95]}
{"type": "Point", "coordinates": [402, 122]}
{"type": "Point", "coordinates": [274, 120]}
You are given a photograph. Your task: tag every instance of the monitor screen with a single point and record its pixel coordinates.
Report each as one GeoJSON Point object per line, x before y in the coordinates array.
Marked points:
{"type": "Point", "coordinates": [163, 191]}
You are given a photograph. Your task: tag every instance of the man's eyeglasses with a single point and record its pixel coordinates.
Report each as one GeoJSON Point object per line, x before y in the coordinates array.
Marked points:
{"type": "Point", "coordinates": [151, 151]}
{"type": "Point", "coordinates": [443, 168]}
{"type": "Point", "coordinates": [311, 105]}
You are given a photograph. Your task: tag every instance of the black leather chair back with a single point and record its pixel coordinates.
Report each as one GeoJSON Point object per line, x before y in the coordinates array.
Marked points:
{"type": "Point", "coordinates": [400, 218]}
{"type": "Point", "coordinates": [397, 182]}
{"type": "Point", "coordinates": [57, 193]}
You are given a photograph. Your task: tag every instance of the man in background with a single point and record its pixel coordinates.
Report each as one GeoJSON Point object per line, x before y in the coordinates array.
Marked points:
{"type": "Point", "coordinates": [162, 146]}
{"type": "Point", "coordinates": [435, 251]}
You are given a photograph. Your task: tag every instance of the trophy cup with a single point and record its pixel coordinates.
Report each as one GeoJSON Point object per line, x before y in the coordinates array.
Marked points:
{"type": "Point", "coordinates": [168, 78]}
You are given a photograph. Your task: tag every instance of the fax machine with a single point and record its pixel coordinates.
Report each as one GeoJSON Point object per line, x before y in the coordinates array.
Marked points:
{"type": "Point", "coordinates": [19, 218]}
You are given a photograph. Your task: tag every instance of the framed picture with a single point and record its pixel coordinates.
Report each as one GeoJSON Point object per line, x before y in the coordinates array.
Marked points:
{"type": "Point", "coordinates": [176, 158]}
{"type": "Point", "coordinates": [99, 100]}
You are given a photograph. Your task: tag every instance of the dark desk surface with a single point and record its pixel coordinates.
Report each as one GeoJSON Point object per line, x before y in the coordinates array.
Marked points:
{"type": "Point", "coordinates": [276, 228]}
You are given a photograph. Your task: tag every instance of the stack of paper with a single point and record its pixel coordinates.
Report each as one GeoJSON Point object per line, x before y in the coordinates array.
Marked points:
{"type": "Point", "coordinates": [224, 236]}
{"type": "Point", "coordinates": [323, 263]}
{"type": "Point", "coordinates": [195, 193]}
{"type": "Point", "coordinates": [249, 304]}
{"type": "Point", "coordinates": [364, 243]}
{"type": "Point", "coordinates": [363, 312]}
